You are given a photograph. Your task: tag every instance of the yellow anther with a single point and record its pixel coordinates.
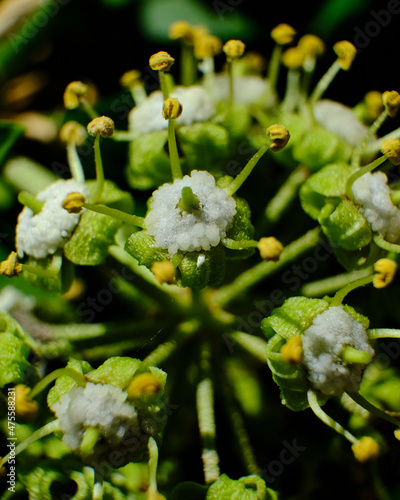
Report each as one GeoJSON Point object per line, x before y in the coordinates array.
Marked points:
{"type": "Point", "coordinates": [73, 94]}
{"type": "Point", "coordinates": [181, 30]}
{"type": "Point", "coordinates": [76, 290]}
{"type": "Point", "coordinates": [385, 272]}
{"type": "Point", "coordinates": [131, 78]}
{"type": "Point", "coordinates": [161, 61]}
{"type": "Point", "coordinates": [279, 137]}
{"type": "Point", "coordinates": [283, 34]}
{"type": "Point", "coordinates": [391, 101]}
{"type": "Point", "coordinates": [144, 384]}
{"type": "Point", "coordinates": [391, 149]}
{"type": "Point", "coordinates": [207, 46]}
{"type": "Point", "coordinates": [73, 132]}
{"type": "Point", "coordinates": [365, 449]}
{"type": "Point", "coordinates": [10, 267]}
{"type": "Point", "coordinates": [292, 351]}
{"type": "Point", "coordinates": [233, 49]}
{"type": "Point", "coordinates": [346, 53]}
{"type": "Point", "coordinates": [311, 45]}
{"type": "Point", "coordinates": [270, 248]}
{"type": "Point", "coordinates": [373, 101]}
{"type": "Point", "coordinates": [397, 434]}
{"type": "Point", "coordinates": [255, 61]}
{"type": "Point", "coordinates": [172, 108]}
{"type": "Point", "coordinates": [293, 58]}
{"type": "Point", "coordinates": [164, 272]}
{"type": "Point", "coordinates": [102, 125]}
{"type": "Point", "coordinates": [73, 203]}
{"type": "Point", "coordinates": [24, 405]}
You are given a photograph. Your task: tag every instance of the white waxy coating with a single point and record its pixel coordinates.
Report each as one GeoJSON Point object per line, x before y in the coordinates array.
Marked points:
{"type": "Point", "coordinates": [44, 233]}
{"type": "Point", "coordinates": [96, 405]}
{"type": "Point", "coordinates": [175, 230]}
{"type": "Point", "coordinates": [324, 341]}
{"type": "Point", "coordinates": [372, 193]}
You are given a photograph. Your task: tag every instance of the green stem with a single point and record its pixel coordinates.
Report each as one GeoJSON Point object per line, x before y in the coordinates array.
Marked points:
{"type": "Point", "coordinates": [291, 97]}
{"type": "Point", "coordinates": [133, 220]}
{"type": "Point", "coordinates": [319, 412]}
{"type": "Point", "coordinates": [356, 396]}
{"type": "Point", "coordinates": [188, 65]}
{"type": "Point", "coordinates": [173, 151]}
{"type": "Point", "coordinates": [360, 172]}
{"type": "Point", "coordinates": [355, 161]}
{"type": "Point", "coordinates": [239, 179]}
{"type": "Point", "coordinates": [238, 245]}
{"type": "Point", "coordinates": [383, 333]}
{"type": "Point", "coordinates": [375, 146]}
{"type": "Point", "coordinates": [256, 346]}
{"type": "Point", "coordinates": [341, 294]}
{"type": "Point", "coordinates": [334, 283]}
{"type": "Point", "coordinates": [324, 83]}
{"type": "Point", "coordinates": [30, 201]}
{"type": "Point", "coordinates": [88, 108]}
{"type": "Point", "coordinates": [153, 463]}
{"type": "Point", "coordinates": [164, 84]}
{"type": "Point", "coordinates": [274, 65]}
{"type": "Point", "coordinates": [99, 171]}
{"type": "Point", "coordinates": [382, 243]}
{"type": "Point", "coordinates": [230, 86]}
{"type": "Point", "coordinates": [265, 269]}
{"type": "Point", "coordinates": [74, 162]}
{"type": "Point", "coordinates": [48, 379]}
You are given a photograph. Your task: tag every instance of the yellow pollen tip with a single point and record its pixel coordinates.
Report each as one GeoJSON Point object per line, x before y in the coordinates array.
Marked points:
{"type": "Point", "coordinates": [365, 449]}
{"type": "Point", "coordinates": [293, 58]}
{"type": "Point", "coordinates": [283, 34]}
{"type": "Point", "coordinates": [144, 384]}
{"type": "Point", "coordinates": [346, 53]}
{"type": "Point", "coordinates": [24, 405]}
{"type": "Point", "coordinates": [161, 61]}
{"type": "Point", "coordinates": [207, 46]}
{"type": "Point", "coordinates": [10, 267]}
{"type": "Point", "coordinates": [391, 149]}
{"type": "Point", "coordinates": [255, 61]}
{"type": "Point", "coordinates": [102, 125]}
{"type": "Point", "coordinates": [397, 434]}
{"type": "Point", "coordinates": [311, 45]}
{"type": "Point", "coordinates": [386, 270]}
{"type": "Point", "coordinates": [172, 109]}
{"type": "Point", "coordinates": [279, 136]}
{"type": "Point", "coordinates": [391, 101]}
{"type": "Point", "coordinates": [73, 132]}
{"type": "Point", "coordinates": [73, 203]}
{"type": "Point", "coordinates": [270, 248]}
{"type": "Point", "coordinates": [181, 30]}
{"type": "Point", "coordinates": [292, 351]}
{"type": "Point", "coordinates": [373, 101]}
{"type": "Point", "coordinates": [233, 49]}
{"type": "Point", "coordinates": [130, 79]}
{"type": "Point", "coordinates": [73, 93]}
{"type": "Point", "coordinates": [164, 272]}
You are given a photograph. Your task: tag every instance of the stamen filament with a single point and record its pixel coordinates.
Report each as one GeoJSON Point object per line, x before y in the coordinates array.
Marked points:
{"type": "Point", "coordinates": [30, 201]}
{"type": "Point", "coordinates": [164, 85]}
{"type": "Point", "coordinates": [173, 151]}
{"type": "Point", "coordinates": [98, 490]}
{"type": "Point", "coordinates": [88, 108]}
{"type": "Point", "coordinates": [153, 463]}
{"type": "Point", "coordinates": [332, 284]}
{"type": "Point", "coordinates": [238, 245]}
{"type": "Point", "coordinates": [99, 170]}
{"type": "Point", "coordinates": [74, 162]}
{"type": "Point", "coordinates": [363, 170]}
{"type": "Point", "coordinates": [48, 379]}
{"type": "Point", "coordinates": [188, 65]}
{"type": "Point", "coordinates": [383, 333]}
{"type": "Point", "coordinates": [341, 294]}
{"type": "Point", "coordinates": [382, 243]}
{"type": "Point", "coordinates": [292, 94]}
{"type": "Point", "coordinates": [324, 83]}
{"type": "Point", "coordinates": [355, 160]}
{"type": "Point", "coordinates": [274, 65]}
{"type": "Point", "coordinates": [356, 396]}
{"type": "Point", "coordinates": [133, 220]}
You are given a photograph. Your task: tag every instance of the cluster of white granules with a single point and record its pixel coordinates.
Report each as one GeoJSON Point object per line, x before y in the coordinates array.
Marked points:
{"type": "Point", "coordinates": [372, 193]}
{"type": "Point", "coordinates": [42, 234]}
{"type": "Point", "coordinates": [323, 343]}
{"type": "Point", "coordinates": [340, 120]}
{"type": "Point", "coordinates": [96, 405]}
{"type": "Point", "coordinates": [175, 230]}
{"type": "Point", "coordinates": [197, 106]}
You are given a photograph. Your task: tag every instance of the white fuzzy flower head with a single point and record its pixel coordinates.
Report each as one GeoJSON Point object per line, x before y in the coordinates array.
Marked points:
{"type": "Point", "coordinates": [323, 342]}
{"type": "Point", "coordinates": [96, 405]}
{"type": "Point", "coordinates": [340, 120]}
{"type": "Point", "coordinates": [196, 103]}
{"type": "Point", "coordinates": [44, 233]}
{"type": "Point", "coordinates": [174, 229]}
{"type": "Point", "coordinates": [372, 193]}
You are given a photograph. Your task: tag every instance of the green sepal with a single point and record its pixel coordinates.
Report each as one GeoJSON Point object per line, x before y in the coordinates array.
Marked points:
{"type": "Point", "coordinates": [203, 145]}
{"type": "Point", "coordinates": [149, 164]}
{"type": "Point", "coordinates": [246, 488]}
{"type": "Point", "coordinates": [211, 272]}
{"type": "Point", "coordinates": [241, 230]}
{"type": "Point", "coordinates": [319, 147]}
{"type": "Point", "coordinates": [62, 273]}
{"type": "Point", "coordinates": [141, 246]}
{"type": "Point", "coordinates": [88, 245]}
{"type": "Point", "coordinates": [13, 351]}
{"type": "Point", "coordinates": [329, 182]}
{"type": "Point", "coordinates": [344, 225]}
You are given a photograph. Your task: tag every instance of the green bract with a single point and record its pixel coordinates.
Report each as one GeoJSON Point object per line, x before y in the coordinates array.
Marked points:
{"type": "Point", "coordinates": [245, 488]}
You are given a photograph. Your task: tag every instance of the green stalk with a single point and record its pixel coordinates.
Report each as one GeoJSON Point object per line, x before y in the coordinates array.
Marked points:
{"type": "Point", "coordinates": [334, 283]}
{"type": "Point", "coordinates": [99, 171]}
{"type": "Point", "coordinates": [382, 243]}
{"type": "Point", "coordinates": [358, 173]}
{"type": "Point", "coordinates": [341, 294]}
{"type": "Point", "coordinates": [173, 151]}
{"type": "Point", "coordinates": [383, 333]}
{"type": "Point", "coordinates": [30, 201]}
{"type": "Point", "coordinates": [48, 379]}
{"type": "Point", "coordinates": [324, 83]}
{"type": "Point", "coordinates": [274, 65]}
{"type": "Point", "coordinates": [238, 245]}
{"type": "Point", "coordinates": [188, 65]}
{"type": "Point", "coordinates": [256, 346]}
{"type": "Point", "coordinates": [164, 84]}
{"type": "Point", "coordinates": [356, 396]}
{"type": "Point", "coordinates": [74, 162]}
{"type": "Point", "coordinates": [373, 129]}
{"type": "Point", "coordinates": [133, 220]}
{"type": "Point", "coordinates": [88, 108]}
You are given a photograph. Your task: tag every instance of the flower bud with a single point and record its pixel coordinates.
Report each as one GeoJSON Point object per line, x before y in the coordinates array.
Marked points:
{"type": "Point", "coordinates": [130, 78]}
{"type": "Point", "coordinates": [233, 49]}
{"type": "Point", "coordinates": [386, 270]}
{"type": "Point", "coordinates": [391, 101]}
{"type": "Point", "coordinates": [207, 46]}
{"type": "Point", "coordinates": [311, 45]}
{"type": "Point", "coordinates": [102, 125]}
{"type": "Point", "coordinates": [164, 272]}
{"type": "Point", "coordinates": [144, 384]}
{"type": "Point", "coordinates": [391, 149]}
{"type": "Point", "coordinates": [24, 405]}
{"type": "Point", "coordinates": [283, 34]}
{"type": "Point", "coordinates": [181, 30]}
{"type": "Point", "coordinates": [346, 53]}
{"type": "Point", "coordinates": [365, 449]}
{"type": "Point", "coordinates": [293, 58]}
{"type": "Point", "coordinates": [161, 61]}
{"type": "Point", "coordinates": [73, 132]}
{"type": "Point", "coordinates": [279, 137]}
{"type": "Point", "coordinates": [373, 101]}
{"type": "Point", "coordinates": [292, 351]}
{"type": "Point", "coordinates": [172, 109]}
{"type": "Point", "coordinates": [270, 248]}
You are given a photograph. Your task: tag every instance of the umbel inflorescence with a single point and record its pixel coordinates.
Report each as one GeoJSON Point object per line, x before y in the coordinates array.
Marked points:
{"type": "Point", "coordinates": [198, 256]}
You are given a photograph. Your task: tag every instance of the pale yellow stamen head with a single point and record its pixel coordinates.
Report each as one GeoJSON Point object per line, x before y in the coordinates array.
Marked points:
{"type": "Point", "coordinates": [172, 109]}
{"type": "Point", "coordinates": [144, 384]}
{"type": "Point", "coordinates": [102, 125]}
{"type": "Point", "coordinates": [255, 61]}
{"type": "Point", "coordinates": [366, 449]}
{"type": "Point", "coordinates": [73, 203]}
{"type": "Point", "coordinates": [74, 92]}
{"type": "Point", "coordinates": [292, 351]}
{"type": "Point", "coordinates": [283, 34]}
{"type": "Point", "coordinates": [391, 149]}
{"type": "Point", "coordinates": [391, 101]}
{"type": "Point", "coordinates": [270, 248]}
{"type": "Point", "coordinates": [10, 267]}
{"type": "Point", "coordinates": [164, 272]}
{"type": "Point", "coordinates": [385, 272]}
{"type": "Point", "coordinates": [131, 78]}
{"type": "Point", "coordinates": [181, 30]}
{"type": "Point", "coordinates": [233, 49]}
{"type": "Point", "coordinates": [311, 45]}
{"type": "Point", "coordinates": [279, 136]}
{"type": "Point", "coordinates": [293, 58]}
{"type": "Point", "coordinates": [161, 61]}
{"type": "Point", "coordinates": [373, 100]}
{"type": "Point", "coordinates": [346, 53]}
{"type": "Point", "coordinates": [73, 132]}
{"type": "Point", "coordinates": [207, 46]}
{"type": "Point", "coordinates": [24, 405]}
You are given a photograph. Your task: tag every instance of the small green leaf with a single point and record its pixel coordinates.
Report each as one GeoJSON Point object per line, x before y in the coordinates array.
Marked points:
{"type": "Point", "coordinates": [245, 488]}
{"type": "Point", "coordinates": [199, 269]}
{"type": "Point", "coordinates": [117, 371]}
{"type": "Point", "coordinates": [140, 245]}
